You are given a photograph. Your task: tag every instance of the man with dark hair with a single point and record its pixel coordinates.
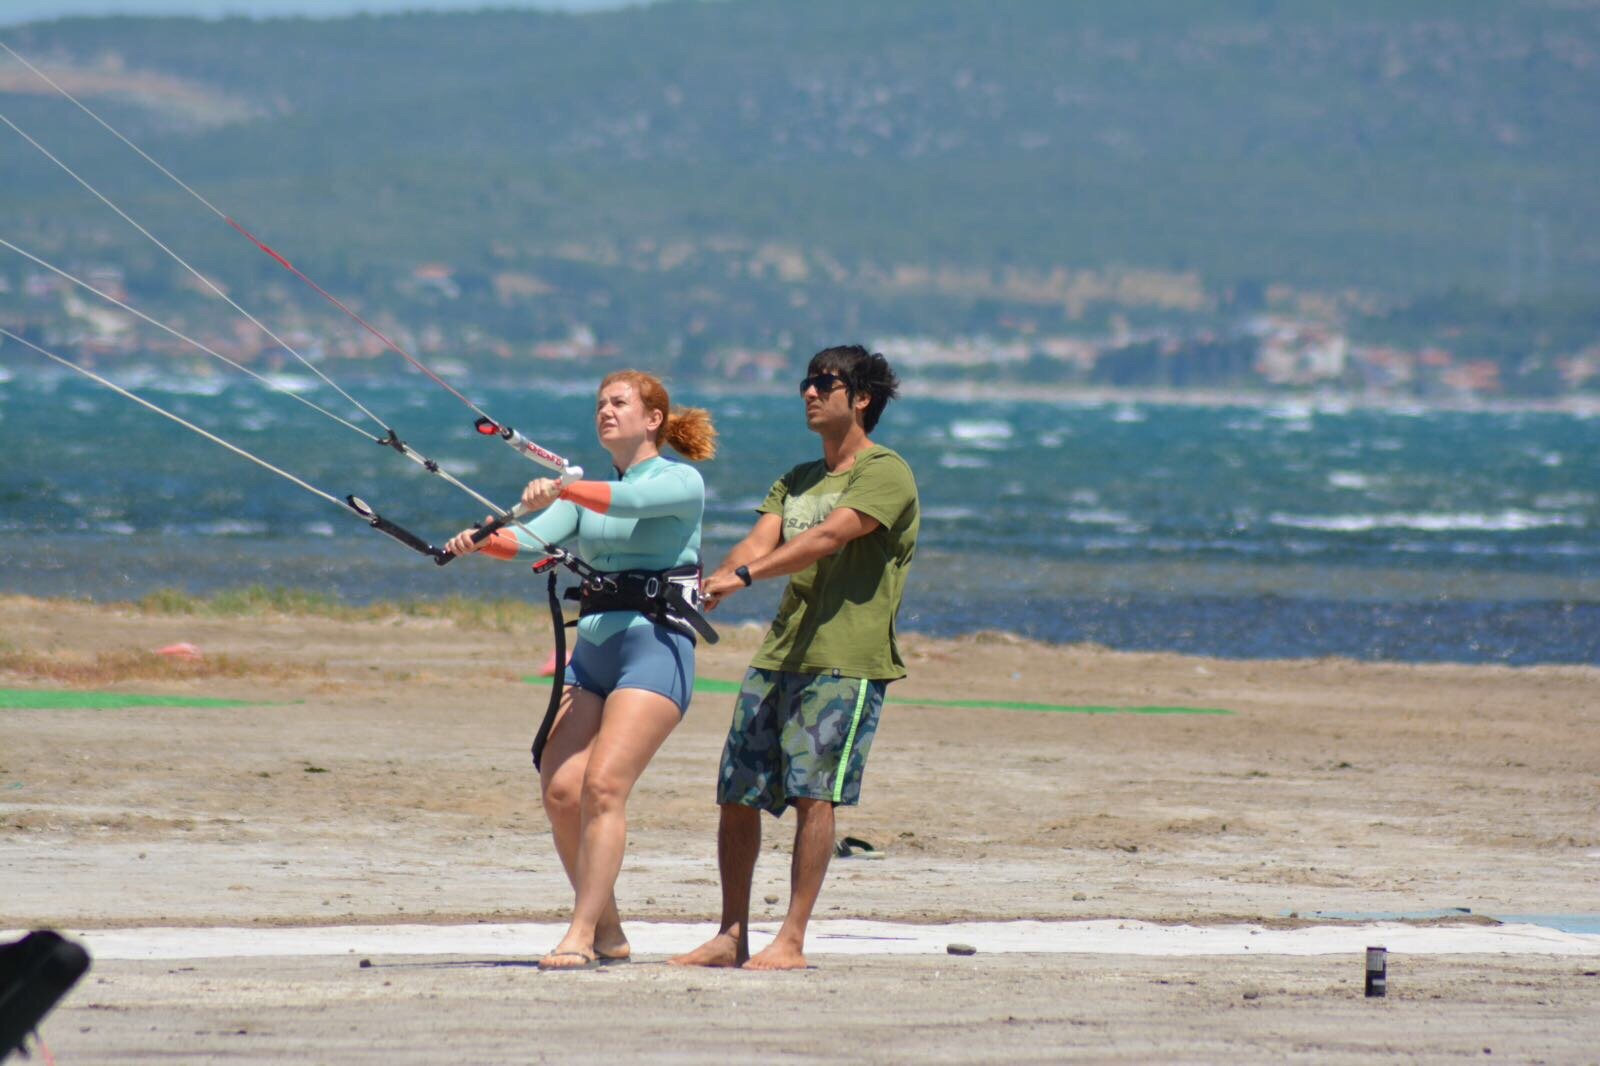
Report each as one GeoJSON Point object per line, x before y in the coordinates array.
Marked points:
{"type": "Point", "coordinates": [843, 530]}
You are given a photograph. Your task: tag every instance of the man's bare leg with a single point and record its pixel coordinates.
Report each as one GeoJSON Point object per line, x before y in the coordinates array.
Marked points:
{"type": "Point", "coordinates": [738, 847]}
{"type": "Point", "coordinates": [813, 847]}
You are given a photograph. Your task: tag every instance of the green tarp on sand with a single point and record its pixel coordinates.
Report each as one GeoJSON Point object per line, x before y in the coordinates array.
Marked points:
{"type": "Point", "coordinates": [17, 699]}
{"type": "Point", "coordinates": [706, 686]}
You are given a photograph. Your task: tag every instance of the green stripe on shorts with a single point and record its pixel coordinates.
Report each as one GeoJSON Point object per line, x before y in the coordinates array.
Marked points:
{"type": "Point", "coordinates": [849, 743]}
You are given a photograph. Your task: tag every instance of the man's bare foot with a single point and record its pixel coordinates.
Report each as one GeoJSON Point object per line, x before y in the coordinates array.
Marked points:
{"type": "Point", "coordinates": [778, 955]}
{"type": "Point", "coordinates": [724, 949]}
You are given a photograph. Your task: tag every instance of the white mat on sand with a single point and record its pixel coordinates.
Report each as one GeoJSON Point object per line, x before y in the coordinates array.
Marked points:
{"type": "Point", "coordinates": [845, 937]}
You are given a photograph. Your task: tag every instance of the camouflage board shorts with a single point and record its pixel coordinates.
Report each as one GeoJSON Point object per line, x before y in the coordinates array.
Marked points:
{"type": "Point", "coordinates": [798, 736]}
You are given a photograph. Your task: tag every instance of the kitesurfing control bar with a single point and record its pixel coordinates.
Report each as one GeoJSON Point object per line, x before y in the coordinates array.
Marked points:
{"type": "Point", "coordinates": [488, 529]}
{"type": "Point", "coordinates": [404, 536]}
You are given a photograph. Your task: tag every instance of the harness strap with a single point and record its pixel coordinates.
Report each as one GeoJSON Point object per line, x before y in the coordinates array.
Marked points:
{"type": "Point", "coordinates": [666, 597]}
{"type": "Point", "coordinates": [663, 596]}
{"type": "Point", "coordinates": [558, 682]}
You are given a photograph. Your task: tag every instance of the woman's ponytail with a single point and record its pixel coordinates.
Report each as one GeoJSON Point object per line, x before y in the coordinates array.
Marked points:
{"type": "Point", "coordinates": [690, 432]}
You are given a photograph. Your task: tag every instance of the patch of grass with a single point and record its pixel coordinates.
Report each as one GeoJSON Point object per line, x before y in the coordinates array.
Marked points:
{"type": "Point", "coordinates": [259, 599]}
{"type": "Point", "coordinates": [171, 601]}
{"type": "Point", "coordinates": [501, 615]}
{"type": "Point", "coordinates": [113, 666]}
{"type": "Point", "coordinates": [248, 601]}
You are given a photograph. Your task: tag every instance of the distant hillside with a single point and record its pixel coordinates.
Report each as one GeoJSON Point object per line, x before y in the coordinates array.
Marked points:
{"type": "Point", "coordinates": [1360, 143]}
{"type": "Point", "coordinates": [1064, 191]}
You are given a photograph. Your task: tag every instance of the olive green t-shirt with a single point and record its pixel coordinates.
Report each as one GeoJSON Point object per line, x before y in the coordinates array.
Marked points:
{"type": "Point", "coordinates": [839, 612]}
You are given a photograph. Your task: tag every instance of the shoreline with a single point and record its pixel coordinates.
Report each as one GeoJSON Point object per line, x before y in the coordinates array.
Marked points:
{"type": "Point", "coordinates": [1581, 405]}
{"type": "Point", "coordinates": [521, 617]}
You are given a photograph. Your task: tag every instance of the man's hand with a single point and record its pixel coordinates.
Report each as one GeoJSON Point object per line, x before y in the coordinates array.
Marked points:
{"type": "Point", "coordinates": [717, 586]}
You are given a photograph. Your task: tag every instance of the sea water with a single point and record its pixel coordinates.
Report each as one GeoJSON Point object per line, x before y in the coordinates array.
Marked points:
{"type": "Point", "coordinates": [1253, 532]}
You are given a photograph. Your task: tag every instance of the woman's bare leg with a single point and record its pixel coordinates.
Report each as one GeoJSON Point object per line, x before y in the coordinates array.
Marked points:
{"type": "Point", "coordinates": [566, 757]}
{"type": "Point", "coordinates": [632, 728]}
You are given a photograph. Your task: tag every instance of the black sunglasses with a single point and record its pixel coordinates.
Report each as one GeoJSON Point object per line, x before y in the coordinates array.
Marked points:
{"type": "Point", "coordinates": [823, 383]}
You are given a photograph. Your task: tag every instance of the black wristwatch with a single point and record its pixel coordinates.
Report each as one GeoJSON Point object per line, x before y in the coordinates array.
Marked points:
{"type": "Point", "coordinates": [743, 573]}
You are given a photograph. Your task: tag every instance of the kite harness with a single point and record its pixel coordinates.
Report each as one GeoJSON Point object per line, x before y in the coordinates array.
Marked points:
{"type": "Point", "coordinates": [669, 598]}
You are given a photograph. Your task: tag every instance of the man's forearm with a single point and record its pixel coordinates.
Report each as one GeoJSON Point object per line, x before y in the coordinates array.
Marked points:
{"type": "Point", "coordinates": [792, 556]}
{"type": "Point", "coordinates": [743, 553]}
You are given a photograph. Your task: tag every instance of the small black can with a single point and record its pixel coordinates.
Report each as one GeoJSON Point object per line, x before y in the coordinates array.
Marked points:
{"type": "Point", "coordinates": [1377, 972]}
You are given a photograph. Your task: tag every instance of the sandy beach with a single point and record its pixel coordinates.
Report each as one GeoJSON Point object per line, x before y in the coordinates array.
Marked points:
{"type": "Point", "coordinates": [380, 775]}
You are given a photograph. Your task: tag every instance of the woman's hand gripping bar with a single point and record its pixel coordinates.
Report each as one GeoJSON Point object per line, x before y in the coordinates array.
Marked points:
{"type": "Point", "coordinates": [485, 530]}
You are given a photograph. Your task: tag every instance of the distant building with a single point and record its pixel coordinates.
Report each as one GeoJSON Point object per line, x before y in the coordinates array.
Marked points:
{"type": "Point", "coordinates": [956, 351]}
{"type": "Point", "coordinates": [1299, 353]}
{"type": "Point", "coordinates": [435, 277]}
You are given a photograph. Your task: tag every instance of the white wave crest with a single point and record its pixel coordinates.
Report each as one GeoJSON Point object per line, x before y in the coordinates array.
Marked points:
{"type": "Point", "coordinates": [980, 430]}
{"type": "Point", "coordinates": [189, 386]}
{"type": "Point", "coordinates": [1509, 521]}
{"type": "Point", "coordinates": [231, 527]}
{"type": "Point", "coordinates": [1097, 517]}
{"type": "Point", "coordinates": [295, 383]}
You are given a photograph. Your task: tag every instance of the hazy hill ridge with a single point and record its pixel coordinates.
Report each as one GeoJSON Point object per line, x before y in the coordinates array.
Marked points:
{"type": "Point", "coordinates": [1396, 149]}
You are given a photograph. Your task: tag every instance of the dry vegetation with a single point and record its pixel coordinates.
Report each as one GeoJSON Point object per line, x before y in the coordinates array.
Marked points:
{"type": "Point", "coordinates": [108, 667]}
{"type": "Point", "coordinates": [502, 616]}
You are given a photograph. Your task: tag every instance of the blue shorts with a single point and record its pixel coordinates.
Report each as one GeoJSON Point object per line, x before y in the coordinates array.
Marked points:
{"type": "Point", "coordinates": [650, 657]}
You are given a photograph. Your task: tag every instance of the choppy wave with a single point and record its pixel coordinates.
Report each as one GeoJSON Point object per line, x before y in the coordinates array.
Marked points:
{"type": "Point", "coordinates": [1509, 521]}
{"type": "Point", "coordinates": [231, 527]}
{"type": "Point", "coordinates": [731, 531]}
{"type": "Point", "coordinates": [975, 430]}
{"type": "Point", "coordinates": [1098, 517]}
{"type": "Point", "coordinates": [186, 386]}
{"type": "Point", "coordinates": [295, 383]}
{"type": "Point", "coordinates": [1462, 502]}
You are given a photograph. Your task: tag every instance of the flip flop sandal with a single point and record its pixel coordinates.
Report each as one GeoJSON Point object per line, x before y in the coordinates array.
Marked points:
{"type": "Point", "coordinates": [590, 962]}
{"type": "Point", "coordinates": [856, 848]}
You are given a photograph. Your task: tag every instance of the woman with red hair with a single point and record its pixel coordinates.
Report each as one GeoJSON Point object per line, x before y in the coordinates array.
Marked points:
{"type": "Point", "coordinates": [632, 670]}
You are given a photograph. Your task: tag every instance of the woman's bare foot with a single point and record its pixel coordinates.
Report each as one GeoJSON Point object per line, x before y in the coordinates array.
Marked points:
{"type": "Point", "coordinates": [611, 945]}
{"type": "Point", "coordinates": [610, 942]}
{"type": "Point", "coordinates": [724, 949]}
{"type": "Point", "coordinates": [778, 955]}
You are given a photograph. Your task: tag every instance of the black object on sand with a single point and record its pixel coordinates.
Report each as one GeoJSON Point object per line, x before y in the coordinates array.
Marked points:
{"type": "Point", "coordinates": [35, 972]}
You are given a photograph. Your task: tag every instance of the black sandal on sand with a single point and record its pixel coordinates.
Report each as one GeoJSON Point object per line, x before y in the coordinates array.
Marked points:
{"type": "Point", "coordinates": [590, 962]}
{"type": "Point", "coordinates": [856, 848]}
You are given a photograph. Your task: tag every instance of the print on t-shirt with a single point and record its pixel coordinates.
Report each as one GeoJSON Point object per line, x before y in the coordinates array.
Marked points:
{"type": "Point", "coordinates": [800, 513]}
